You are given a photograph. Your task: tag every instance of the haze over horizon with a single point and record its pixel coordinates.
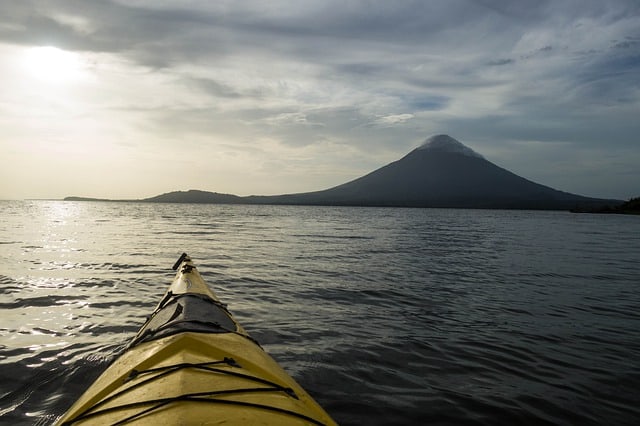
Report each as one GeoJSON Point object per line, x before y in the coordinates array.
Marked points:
{"type": "Point", "coordinates": [129, 99]}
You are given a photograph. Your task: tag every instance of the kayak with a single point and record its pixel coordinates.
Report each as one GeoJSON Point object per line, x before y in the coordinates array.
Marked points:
{"type": "Point", "coordinates": [192, 363]}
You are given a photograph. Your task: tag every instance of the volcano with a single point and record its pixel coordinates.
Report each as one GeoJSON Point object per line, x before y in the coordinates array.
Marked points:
{"type": "Point", "coordinates": [442, 172]}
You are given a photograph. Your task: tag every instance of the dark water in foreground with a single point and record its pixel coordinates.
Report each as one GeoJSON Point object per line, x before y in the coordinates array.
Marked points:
{"type": "Point", "coordinates": [386, 316]}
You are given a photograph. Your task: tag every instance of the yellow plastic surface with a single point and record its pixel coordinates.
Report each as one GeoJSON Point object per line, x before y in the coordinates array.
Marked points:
{"type": "Point", "coordinates": [249, 390]}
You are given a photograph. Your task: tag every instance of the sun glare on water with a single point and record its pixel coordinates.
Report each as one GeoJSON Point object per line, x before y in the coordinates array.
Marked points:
{"type": "Point", "coordinates": [53, 65]}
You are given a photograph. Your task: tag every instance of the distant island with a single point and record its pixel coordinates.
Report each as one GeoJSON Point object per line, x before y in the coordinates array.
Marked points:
{"type": "Point", "coordinates": [442, 172]}
{"type": "Point", "coordinates": [629, 207]}
{"type": "Point", "coordinates": [192, 196]}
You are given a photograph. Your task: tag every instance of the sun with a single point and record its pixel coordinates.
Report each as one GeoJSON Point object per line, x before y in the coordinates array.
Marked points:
{"type": "Point", "coordinates": [53, 65]}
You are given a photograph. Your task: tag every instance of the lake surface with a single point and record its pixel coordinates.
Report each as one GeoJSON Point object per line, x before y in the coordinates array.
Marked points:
{"type": "Point", "coordinates": [385, 316]}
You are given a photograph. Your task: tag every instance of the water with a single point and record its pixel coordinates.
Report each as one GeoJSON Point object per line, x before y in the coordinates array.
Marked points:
{"type": "Point", "coordinates": [386, 316]}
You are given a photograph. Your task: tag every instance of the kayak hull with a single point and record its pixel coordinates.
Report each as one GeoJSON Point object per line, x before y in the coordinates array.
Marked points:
{"type": "Point", "coordinates": [217, 374]}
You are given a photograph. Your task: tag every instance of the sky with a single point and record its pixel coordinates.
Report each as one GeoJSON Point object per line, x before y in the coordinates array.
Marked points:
{"type": "Point", "coordinates": [130, 99]}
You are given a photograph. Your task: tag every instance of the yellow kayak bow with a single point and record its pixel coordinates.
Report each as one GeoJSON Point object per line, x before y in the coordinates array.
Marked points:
{"type": "Point", "coordinates": [192, 363]}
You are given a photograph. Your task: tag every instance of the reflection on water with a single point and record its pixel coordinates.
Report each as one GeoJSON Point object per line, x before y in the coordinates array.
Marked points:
{"type": "Point", "coordinates": [384, 315]}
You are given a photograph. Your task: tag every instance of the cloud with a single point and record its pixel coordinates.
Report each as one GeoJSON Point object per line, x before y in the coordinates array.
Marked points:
{"type": "Point", "coordinates": [374, 78]}
{"type": "Point", "coordinates": [500, 62]}
{"type": "Point", "coordinates": [393, 119]}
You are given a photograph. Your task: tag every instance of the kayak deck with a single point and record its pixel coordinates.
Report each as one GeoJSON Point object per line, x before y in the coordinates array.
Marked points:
{"type": "Point", "coordinates": [192, 363]}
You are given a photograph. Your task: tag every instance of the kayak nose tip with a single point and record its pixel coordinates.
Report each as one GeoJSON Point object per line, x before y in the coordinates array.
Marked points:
{"type": "Point", "coordinates": [182, 258]}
